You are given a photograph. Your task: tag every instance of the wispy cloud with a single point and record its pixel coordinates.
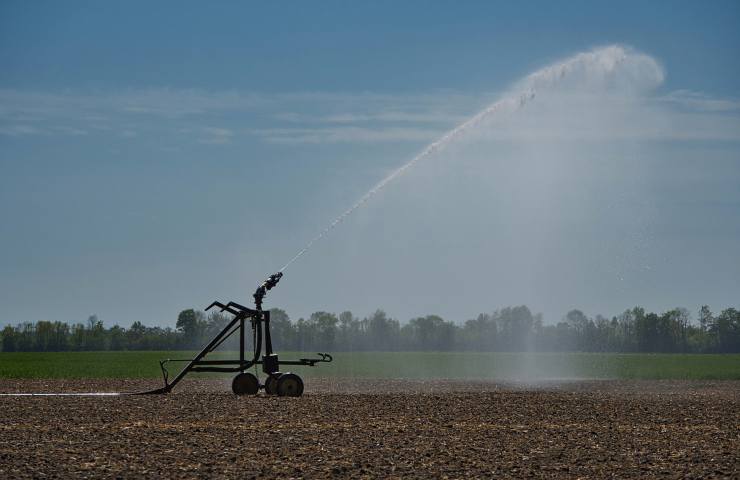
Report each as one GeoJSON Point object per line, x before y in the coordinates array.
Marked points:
{"type": "Point", "coordinates": [215, 136]}
{"type": "Point", "coordinates": [18, 130]}
{"type": "Point", "coordinates": [65, 130]}
{"type": "Point", "coordinates": [701, 101]}
{"type": "Point", "coordinates": [343, 134]}
{"type": "Point", "coordinates": [128, 134]}
{"type": "Point", "coordinates": [219, 118]}
{"type": "Point", "coordinates": [298, 117]}
{"type": "Point", "coordinates": [390, 116]}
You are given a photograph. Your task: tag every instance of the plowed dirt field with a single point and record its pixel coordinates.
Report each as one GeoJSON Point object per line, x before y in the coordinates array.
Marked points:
{"type": "Point", "coordinates": [373, 429]}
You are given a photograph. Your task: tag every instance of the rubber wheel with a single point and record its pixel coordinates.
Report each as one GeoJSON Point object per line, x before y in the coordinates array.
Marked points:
{"type": "Point", "coordinates": [245, 384]}
{"type": "Point", "coordinates": [271, 384]}
{"type": "Point", "coordinates": [289, 385]}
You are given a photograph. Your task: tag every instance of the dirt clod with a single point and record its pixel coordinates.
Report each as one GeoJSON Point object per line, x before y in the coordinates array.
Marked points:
{"type": "Point", "coordinates": [386, 429]}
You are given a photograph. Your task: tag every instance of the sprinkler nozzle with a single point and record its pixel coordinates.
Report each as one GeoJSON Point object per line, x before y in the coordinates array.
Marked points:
{"type": "Point", "coordinates": [261, 291]}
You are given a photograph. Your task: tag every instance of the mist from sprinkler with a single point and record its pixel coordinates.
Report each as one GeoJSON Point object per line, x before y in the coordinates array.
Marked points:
{"type": "Point", "coordinates": [600, 63]}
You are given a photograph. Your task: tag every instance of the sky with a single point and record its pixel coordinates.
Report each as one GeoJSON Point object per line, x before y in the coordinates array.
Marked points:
{"type": "Point", "coordinates": [156, 157]}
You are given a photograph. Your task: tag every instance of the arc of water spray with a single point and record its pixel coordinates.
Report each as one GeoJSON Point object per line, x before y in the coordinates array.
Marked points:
{"type": "Point", "coordinates": [605, 59]}
{"type": "Point", "coordinates": [430, 149]}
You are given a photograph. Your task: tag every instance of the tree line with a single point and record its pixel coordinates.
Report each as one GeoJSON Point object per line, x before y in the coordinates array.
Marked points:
{"type": "Point", "coordinates": [509, 329]}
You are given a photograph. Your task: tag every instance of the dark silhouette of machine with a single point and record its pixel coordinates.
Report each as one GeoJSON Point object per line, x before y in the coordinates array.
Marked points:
{"type": "Point", "coordinates": [246, 383]}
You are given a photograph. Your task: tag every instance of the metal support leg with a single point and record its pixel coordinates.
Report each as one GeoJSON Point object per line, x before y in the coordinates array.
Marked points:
{"type": "Point", "coordinates": [268, 338]}
{"type": "Point", "coordinates": [241, 343]}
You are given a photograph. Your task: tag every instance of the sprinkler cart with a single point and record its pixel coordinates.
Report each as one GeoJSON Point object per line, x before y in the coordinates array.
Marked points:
{"type": "Point", "coordinates": [246, 383]}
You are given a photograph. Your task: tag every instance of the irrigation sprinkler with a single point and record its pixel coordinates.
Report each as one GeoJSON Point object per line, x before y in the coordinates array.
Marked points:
{"type": "Point", "coordinates": [246, 383]}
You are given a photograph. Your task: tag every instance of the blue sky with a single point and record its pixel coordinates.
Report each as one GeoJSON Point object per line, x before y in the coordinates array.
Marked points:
{"type": "Point", "coordinates": [154, 157]}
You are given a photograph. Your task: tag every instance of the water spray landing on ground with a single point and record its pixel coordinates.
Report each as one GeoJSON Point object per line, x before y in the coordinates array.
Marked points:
{"type": "Point", "coordinates": [601, 64]}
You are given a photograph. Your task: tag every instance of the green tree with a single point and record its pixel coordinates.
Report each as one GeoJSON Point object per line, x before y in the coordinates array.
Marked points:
{"type": "Point", "coordinates": [481, 333]}
{"type": "Point", "coordinates": [117, 338]}
{"type": "Point", "coordinates": [431, 333]}
{"type": "Point", "coordinates": [382, 332]}
{"type": "Point", "coordinates": [135, 336]}
{"type": "Point", "coordinates": [705, 317]}
{"type": "Point", "coordinates": [516, 328]}
{"type": "Point", "coordinates": [324, 327]}
{"type": "Point", "coordinates": [192, 325]}
{"type": "Point", "coordinates": [78, 337]}
{"type": "Point", "coordinates": [215, 323]}
{"type": "Point", "coordinates": [283, 332]}
{"type": "Point", "coordinates": [726, 329]}
{"type": "Point", "coordinates": [96, 335]}
{"type": "Point", "coordinates": [348, 331]}
{"type": "Point", "coordinates": [582, 328]}
{"type": "Point", "coordinates": [9, 339]}
{"type": "Point", "coordinates": [646, 330]}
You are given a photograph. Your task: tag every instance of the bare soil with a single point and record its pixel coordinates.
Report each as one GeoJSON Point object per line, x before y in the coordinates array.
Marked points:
{"type": "Point", "coordinates": [368, 428]}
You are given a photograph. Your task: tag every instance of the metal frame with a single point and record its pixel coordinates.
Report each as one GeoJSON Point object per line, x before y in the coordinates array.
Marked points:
{"type": "Point", "coordinates": [260, 321]}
